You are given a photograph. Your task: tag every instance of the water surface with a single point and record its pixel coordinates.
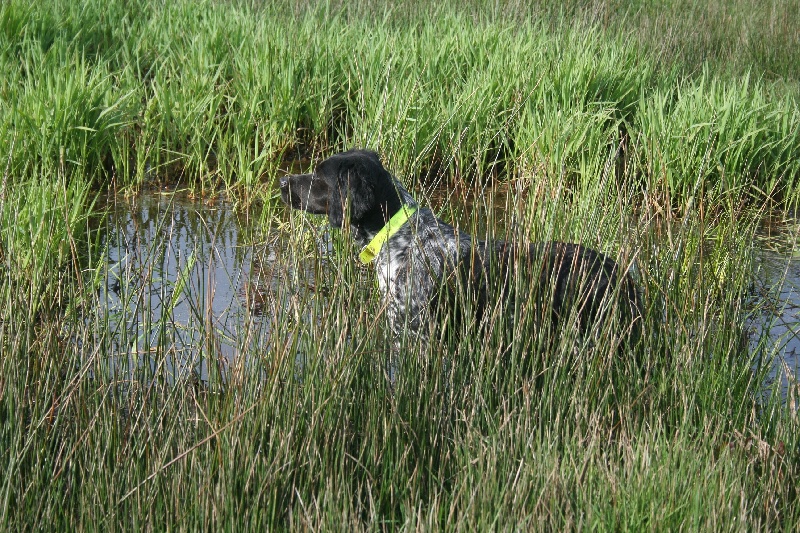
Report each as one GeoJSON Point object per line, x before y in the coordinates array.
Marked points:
{"type": "Point", "coordinates": [206, 282]}
{"type": "Point", "coordinates": [776, 324]}
{"type": "Point", "coordinates": [193, 279]}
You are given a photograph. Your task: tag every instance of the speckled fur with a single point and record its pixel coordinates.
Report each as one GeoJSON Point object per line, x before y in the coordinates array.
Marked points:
{"type": "Point", "coordinates": [419, 266]}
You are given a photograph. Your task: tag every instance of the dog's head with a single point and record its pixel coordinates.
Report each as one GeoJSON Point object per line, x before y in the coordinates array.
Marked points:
{"type": "Point", "coordinates": [356, 179]}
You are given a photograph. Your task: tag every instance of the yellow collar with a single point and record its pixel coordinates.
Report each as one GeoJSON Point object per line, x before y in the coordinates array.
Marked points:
{"type": "Point", "coordinates": [372, 249]}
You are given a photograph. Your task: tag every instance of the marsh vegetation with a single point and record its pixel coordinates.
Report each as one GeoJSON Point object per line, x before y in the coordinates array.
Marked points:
{"type": "Point", "coordinates": [133, 396]}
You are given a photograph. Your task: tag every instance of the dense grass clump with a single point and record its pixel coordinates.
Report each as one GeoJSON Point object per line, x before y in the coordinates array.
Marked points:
{"type": "Point", "coordinates": [662, 136]}
{"type": "Point", "coordinates": [222, 93]}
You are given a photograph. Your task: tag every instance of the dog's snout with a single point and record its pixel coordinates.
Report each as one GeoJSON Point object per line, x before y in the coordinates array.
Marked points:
{"type": "Point", "coordinates": [301, 191]}
{"type": "Point", "coordinates": [285, 189]}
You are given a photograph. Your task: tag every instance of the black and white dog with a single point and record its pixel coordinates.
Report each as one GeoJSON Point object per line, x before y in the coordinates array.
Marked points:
{"type": "Point", "coordinates": [421, 262]}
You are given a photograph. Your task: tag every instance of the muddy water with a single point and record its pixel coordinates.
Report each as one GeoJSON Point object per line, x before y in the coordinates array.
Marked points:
{"type": "Point", "coordinates": [195, 277]}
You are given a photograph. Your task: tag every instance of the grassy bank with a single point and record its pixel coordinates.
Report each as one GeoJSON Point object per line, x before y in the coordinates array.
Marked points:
{"type": "Point", "coordinates": [221, 93]}
{"type": "Point", "coordinates": [550, 122]}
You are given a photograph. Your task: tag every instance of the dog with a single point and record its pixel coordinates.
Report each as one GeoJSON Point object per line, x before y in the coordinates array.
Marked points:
{"type": "Point", "coordinates": [425, 266]}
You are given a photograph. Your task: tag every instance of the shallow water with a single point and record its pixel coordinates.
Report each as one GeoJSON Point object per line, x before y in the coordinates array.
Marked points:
{"type": "Point", "coordinates": [193, 279]}
{"type": "Point", "coordinates": [176, 267]}
{"type": "Point", "coordinates": [775, 326]}
{"type": "Point", "coordinates": [203, 280]}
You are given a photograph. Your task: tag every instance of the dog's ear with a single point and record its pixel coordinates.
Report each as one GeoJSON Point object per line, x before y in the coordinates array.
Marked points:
{"type": "Point", "coordinates": [360, 185]}
{"type": "Point", "coordinates": [336, 207]}
{"type": "Point", "coordinates": [354, 187]}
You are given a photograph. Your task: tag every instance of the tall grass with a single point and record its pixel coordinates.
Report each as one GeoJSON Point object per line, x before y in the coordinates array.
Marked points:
{"type": "Point", "coordinates": [221, 93]}
{"type": "Point", "coordinates": [548, 122]}
{"type": "Point", "coordinates": [46, 234]}
{"type": "Point", "coordinates": [305, 429]}
{"type": "Point", "coordinates": [728, 138]}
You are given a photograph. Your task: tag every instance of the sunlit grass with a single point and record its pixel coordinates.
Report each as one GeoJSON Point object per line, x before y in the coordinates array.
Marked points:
{"type": "Point", "coordinates": [306, 428]}
{"type": "Point", "coordinates": [221, 94]}
{"type": "Point", "coordinates": [543, 123]}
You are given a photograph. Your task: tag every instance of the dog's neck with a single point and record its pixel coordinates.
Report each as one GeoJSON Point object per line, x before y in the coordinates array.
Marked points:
{"type": "Point", "coordinates": [370, 225]}
{"type": "Point", "coordinates": [394, 198]}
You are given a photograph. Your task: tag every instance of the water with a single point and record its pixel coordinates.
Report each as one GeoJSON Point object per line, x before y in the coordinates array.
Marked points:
{"type": "Point", "coordinates": [207, 282]}
{"type": "Point", "coordinates": [776, 325]}
{"type": "Point", "coordinates": [191, 281]}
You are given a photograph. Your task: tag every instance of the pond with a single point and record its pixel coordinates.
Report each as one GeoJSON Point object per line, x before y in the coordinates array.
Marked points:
{"type": "Point", "coordinates": [200, 276]}
{"type": "Point", "coordinates": [192, 278]}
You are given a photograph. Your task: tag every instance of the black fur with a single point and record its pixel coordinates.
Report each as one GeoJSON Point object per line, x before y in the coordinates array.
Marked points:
{"type": "Point", "coordinates": [428, 263]}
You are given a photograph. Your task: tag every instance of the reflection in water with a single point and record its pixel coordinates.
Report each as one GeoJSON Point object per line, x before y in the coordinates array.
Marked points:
{"type": "Point", "coordinates": [185, 281]}
{"type": "Point", "coordinates": [777, 328]}
{"type": "Point", "coordinates": [186, 289]}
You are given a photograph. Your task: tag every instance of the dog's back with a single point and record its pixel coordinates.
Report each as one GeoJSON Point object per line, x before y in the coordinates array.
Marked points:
{"type": "Point", "coordinates": [555, 278]}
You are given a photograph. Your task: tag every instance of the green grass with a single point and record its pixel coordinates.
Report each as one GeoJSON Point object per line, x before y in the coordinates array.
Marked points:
{"type": "Point", "coordinates": [668, 435]}
{"type": "Point", "coordinates": [220, 93]}
{"type": "Point", "coordinates": [661, 134]}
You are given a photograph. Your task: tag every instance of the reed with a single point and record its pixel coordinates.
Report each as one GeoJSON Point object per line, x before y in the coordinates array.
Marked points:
{"type": "Point", "coordinates": [545, 123]}
{"type": "Point", "coordinates": [219, 94]}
